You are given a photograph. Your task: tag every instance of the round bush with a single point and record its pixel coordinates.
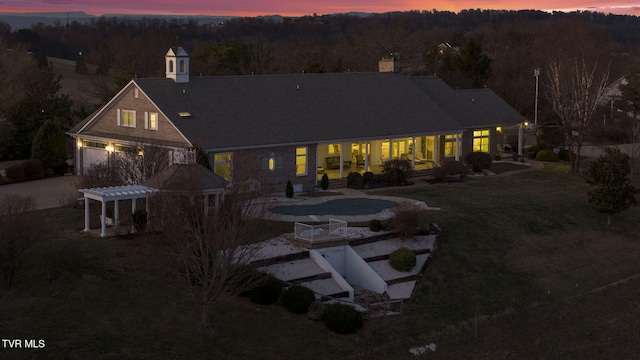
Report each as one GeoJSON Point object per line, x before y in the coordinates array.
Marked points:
{"type": "Point", "coordinates": [341, 318]}
{"type": "Point", "coordinates": [324, 182]}
{"type": "Point", "coordinates": [354, 180]}
{"type": "Point", "coordinates": [375, 225]}
{"type": "Point", "coordinates": [297, 299]}
{"type": "Point", "coordinates": [403, 259]}
{"type": "Point", "coordinates": [547, 155]}
{"type": "Point", "coordinates": [268, 291]}
{"type": "Point", "coordinates": [367, 177]}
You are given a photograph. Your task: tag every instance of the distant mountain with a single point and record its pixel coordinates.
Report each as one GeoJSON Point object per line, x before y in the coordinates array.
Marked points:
{"type": "Point", "coordinates": [26, 20]}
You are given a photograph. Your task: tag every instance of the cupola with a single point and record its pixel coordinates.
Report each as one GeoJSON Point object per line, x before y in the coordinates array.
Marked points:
{"type": "Point", "coordinates": [177, 65]}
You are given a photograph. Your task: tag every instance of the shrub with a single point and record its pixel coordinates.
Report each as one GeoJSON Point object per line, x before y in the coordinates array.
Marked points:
{"type": "Point", "coordinates": [33, 170]}
{"type": "Point", "coordinates": [99, 174]}
{"type": "Point", "coordinates": [534, 148]}
{"type": "Point", "coordinates": [17, 234]}
{"type": "Point", "coordinates": [289, 190]}
{"type": "Point", "coordinates": [565, 155]}
{"type": "Point", "coordinates": [403, 259]}
{"type": "Point", "coordinates": [450, 171]}
{"type": "Point", "coordinates": [377, 179]}
{"type": "Point", "coordinates": [354, 180]}
{"type": "Point", "coordinates": [267, 291]}
{"type": "Point", "coordinates": [16, 173]}
{"type": "Point", "coordinates": [405, 219]}
{"type": "Point", "coordinates": [547, 155]}
{"type": "Point", "coordinates": [375, 225]}
{"type": "Point", "coordinates": [478, 161]}
{"type": "Point", "coordinates": [396, 172]}
{"type": "Point", "coordinates": [139, 219]}
{"type": "Point", "coordinates": [367, 178]}
{"type": "Point", "coordinates": [324, 182]}
{"type": "Point", "coordinates": [297, 299]}
{"type": "Point", "coordinates": [342, 318]}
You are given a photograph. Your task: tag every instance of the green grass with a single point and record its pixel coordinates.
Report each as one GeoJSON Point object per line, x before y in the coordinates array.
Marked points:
{"type": "Point", "coordinates": [525, 270]}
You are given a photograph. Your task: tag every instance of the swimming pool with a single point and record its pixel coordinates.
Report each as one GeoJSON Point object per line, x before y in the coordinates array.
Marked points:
{"type": "Point", "coordinates": [345, 206]}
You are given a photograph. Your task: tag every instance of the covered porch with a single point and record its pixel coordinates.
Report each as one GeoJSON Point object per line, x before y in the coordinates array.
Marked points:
{"type": "Point", "coordinates": [337, 160]}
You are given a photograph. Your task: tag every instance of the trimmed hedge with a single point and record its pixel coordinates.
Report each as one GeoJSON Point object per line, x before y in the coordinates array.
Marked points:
{"type": "Point", "coordinates": [342, 318]}
{"type": "Point", "coordinates": [375, 225]}
{"type": "Point", "coordinates": [268, 291]}
{"type": "Point", "coordinates": [547, 155]}
{"type": "Point", "coordinates": [297, 299]}
{"type": "Point", "coordinates": [403, 259]}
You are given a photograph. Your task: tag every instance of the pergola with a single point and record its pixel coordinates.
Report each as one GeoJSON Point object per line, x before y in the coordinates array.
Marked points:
{"type": "Point", "coordinates": [115, 194]}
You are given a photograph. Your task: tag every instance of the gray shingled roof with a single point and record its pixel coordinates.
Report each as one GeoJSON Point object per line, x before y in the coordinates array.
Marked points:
{"type": "Point", "coordinates": [472, 108]}
{"type": "Point", "coordinates": [249, 111]}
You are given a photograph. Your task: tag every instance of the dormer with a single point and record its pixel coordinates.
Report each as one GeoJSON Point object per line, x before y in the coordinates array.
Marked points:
{"type": "Point", "coordinates": [177, 65]}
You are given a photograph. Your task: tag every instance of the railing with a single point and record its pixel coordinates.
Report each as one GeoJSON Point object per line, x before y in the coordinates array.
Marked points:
{"type": "Point", "coordinates": [323, 231]}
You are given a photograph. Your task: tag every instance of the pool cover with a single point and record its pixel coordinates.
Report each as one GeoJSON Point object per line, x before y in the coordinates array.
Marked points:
{"type": "Point", "coordinates": [348, 206]}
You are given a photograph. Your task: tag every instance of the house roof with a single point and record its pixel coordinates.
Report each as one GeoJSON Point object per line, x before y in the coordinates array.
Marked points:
{"type": "Point", "coordinates": [473, 107]}
{"type": "Point", "coordinates": [231, 112]}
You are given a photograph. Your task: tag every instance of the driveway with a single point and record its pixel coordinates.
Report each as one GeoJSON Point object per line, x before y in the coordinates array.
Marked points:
{"type": "Point", "coordinates": [47, 193]}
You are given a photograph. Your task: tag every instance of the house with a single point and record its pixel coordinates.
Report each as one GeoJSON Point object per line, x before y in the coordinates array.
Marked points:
{"type": "Point", "coordinates": [295, 127]}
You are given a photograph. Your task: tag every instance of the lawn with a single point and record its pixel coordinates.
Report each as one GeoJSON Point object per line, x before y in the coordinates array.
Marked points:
{"type": "Point", "coordinates": [525, 270]}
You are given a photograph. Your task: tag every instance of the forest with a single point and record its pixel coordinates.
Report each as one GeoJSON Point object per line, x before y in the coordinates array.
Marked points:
{"type": "Point", "coordinates": [500, 50]}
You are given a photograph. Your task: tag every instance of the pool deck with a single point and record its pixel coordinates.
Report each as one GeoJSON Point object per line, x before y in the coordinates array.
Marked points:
{"type": "Point", "coordinates": [342, 193]}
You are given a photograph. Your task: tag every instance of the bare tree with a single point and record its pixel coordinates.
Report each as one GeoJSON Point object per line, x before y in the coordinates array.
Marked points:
{"type": "Point", "coordinates": [141, 162]}
{"type": "Point", "coordinates": [212, 247]}
{"type": "Point", "coordinates": [573, 91]}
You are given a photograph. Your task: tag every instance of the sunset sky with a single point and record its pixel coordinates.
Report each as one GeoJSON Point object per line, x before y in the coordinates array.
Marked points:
{"type": "Point", "coordinates": [304, 7]}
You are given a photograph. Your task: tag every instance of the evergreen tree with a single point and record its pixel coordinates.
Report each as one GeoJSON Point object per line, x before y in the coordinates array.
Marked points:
{"type": "Point", "coordinates": [613, 193]}
{"type": "Point", "coordinates": [49, 147]}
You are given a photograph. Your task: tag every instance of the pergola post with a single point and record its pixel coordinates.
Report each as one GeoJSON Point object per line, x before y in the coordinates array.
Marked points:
{"type": "Point", "coordinates": [116, 213]}
{"type": "Point", "coordinates": [133, 210]}
{"type": "Point", "coordinates": [103, 220]}
{"type": "Point", "coordinates": [86, 214]}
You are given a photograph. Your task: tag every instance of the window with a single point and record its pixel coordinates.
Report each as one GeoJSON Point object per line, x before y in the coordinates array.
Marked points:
{"type": "Point", "coordinates": [272, 163]}
{"type": "Point", "coordinates": [450, 148]}
{"type": "Point", "coordinates": [301, 161]}
{"type": "Point", "coordinates": [222, 165]}
{"type": "Point", "coordinates": [170, 66]}
{"type": "Point", "coordinates": [481, 141]}
{"type": "Point", "coordinates": [334, 149]}
{"type": "Point", "coordinates": [181, 66]}
{"type": "Point", "coordinates": [127, 118]}
{"type": "Point", "coordinates": [151, 121]}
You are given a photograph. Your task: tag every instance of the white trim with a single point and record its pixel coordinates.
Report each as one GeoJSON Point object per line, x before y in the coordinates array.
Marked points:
{"type": "Point", "coordinates": [108, 106]}
{"type": "Point", "coordinates": [146, 120]}
{"type": "Point", "coordinates": [166, 117]}
{"type": "Point", "coordinates": [118, 117]}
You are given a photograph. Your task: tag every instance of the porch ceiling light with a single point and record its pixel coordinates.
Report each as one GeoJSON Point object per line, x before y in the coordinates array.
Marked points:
{"type": "Point", "coordinates": [109, 148]}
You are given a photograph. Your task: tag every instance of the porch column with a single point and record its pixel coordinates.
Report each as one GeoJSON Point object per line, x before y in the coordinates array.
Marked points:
{"type": "Point", "coordinates": [457, 155]}
{"type": "Point", "coordinates": [341, 161]}
{"type": "Point", "coordinates": [116, 213]}
{"type": "Point", "coordinates": [133, 209]}
{"type": "Point", "coordinates": [315, 171]}
{"type": "Point", "coordinates": [103, 219]}
{"type": "Point", "coordinates": [86, 214]}
{"type": "Point", "coordinates": [413, 152]}
{"type": "Point", "coordinates": [390, 157]}
{"type": "Point", "coordinates": [366, 156]}
{"type": "Point", "coordinates": [436, 149]}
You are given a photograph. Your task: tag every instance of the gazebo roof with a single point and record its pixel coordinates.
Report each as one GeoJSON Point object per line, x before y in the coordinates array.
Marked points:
{"type": "Point", "coordinates": [182, 176]}
{"type": "Point", "coordinates": [118, 192]}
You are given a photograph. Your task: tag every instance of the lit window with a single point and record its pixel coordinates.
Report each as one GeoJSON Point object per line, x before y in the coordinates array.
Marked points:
{"type": "Point", "coordinates": [222, 165]}
{"type": "Point", "coordinates": [334, 148]}
{"type": "Point", "coordinates": [152, 121]}
{"type": "Point", "coordinates": [481, 141]}
{"type": "Point", "coordinates": [450, 148]}
{"type": "Point", "coordinates": [272, 163]}
{"type": "Point", "coordinates": [127, 118]}
{"type": "Point", "coordinates": [301, 161]}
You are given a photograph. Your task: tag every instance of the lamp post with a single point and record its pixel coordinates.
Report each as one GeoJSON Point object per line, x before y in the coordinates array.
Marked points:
{"type": "Point", "coordinates": [536, 73]}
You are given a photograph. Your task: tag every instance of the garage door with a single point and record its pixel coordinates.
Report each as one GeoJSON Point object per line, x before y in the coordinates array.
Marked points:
{"type": "Point", "coordinates": [92, 155]}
